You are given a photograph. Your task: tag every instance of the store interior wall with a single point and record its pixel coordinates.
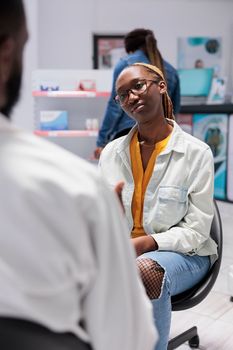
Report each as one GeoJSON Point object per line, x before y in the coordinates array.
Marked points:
{"type": "Point", "coordinates": [61, 32]}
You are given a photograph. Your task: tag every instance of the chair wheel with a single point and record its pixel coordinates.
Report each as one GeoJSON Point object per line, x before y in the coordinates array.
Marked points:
{"type": "Point", "coordinates": [194, 342]}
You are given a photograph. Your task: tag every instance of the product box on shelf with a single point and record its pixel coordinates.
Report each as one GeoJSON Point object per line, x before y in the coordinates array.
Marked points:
{"type": "Point", "coordinates": [53, 120]}
{"type": "Point", "coordinates": [72, 80]}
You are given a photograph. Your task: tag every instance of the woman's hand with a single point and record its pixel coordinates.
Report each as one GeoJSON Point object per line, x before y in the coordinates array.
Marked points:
{"type": "Point", "coordinates": [144, 244]}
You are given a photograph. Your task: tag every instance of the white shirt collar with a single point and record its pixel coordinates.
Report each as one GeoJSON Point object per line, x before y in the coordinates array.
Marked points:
{"type": "Point", "coordinates": [176, 142]}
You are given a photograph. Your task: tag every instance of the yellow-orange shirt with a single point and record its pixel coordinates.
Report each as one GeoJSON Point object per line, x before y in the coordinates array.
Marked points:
{"type": "Point", "coordinates": [141, 179]}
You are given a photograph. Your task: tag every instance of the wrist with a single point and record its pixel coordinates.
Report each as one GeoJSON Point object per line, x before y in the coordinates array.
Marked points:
{"type": "Point", "coordinates": [149, 245]}
{"type": "Point", "coordinates": [153, 245]}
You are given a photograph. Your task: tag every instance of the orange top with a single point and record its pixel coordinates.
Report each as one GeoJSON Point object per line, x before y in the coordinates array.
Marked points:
{"type": "Point", "coordinates": [141, 180]}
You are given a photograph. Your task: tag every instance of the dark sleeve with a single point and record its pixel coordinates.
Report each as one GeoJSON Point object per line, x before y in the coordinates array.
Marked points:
{"type": "Point", "coordinates": [113, 111]}
{"type": "Point", "coordinates": [175, 97]}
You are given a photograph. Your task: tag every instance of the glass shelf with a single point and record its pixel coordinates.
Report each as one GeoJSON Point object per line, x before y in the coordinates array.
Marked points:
{"type": "Point", "coordinates": [77, 94]}
{"type": "Point", "coordinates": [66, 133]}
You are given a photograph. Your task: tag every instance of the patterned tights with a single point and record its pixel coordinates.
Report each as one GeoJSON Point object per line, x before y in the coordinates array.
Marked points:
{"type": "Point", "coordinates": [152, 275]}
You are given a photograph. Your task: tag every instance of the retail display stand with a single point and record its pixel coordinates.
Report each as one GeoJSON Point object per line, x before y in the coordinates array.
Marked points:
{"type": "Point", "coordinates": [69, 106]}
{"type": "Point", "coordinates": [213, 124]}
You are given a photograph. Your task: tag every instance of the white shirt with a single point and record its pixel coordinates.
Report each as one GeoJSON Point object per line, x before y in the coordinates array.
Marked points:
{"type": "Point", "coordinates": [178, 204]}
{"type": "Point", "coordinates": [65, 258]}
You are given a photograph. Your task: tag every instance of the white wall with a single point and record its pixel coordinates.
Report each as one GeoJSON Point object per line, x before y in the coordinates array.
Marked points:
{"type": "Point", "coordinates": [66, 31]}
{"type": "Point", "coordinates": [23, 111]}
{"type": "Point", "coordinates": [61, 32]}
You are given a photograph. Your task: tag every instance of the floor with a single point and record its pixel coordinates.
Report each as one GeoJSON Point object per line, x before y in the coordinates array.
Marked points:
{"type": "Point", "coordinates": [213, 316]}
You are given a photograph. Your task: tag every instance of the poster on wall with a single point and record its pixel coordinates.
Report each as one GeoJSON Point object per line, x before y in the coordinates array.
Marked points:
{"type": "Point", "coordinates": [212, 129]}
{"type": "Point", "coordinates": [108, 49]}
{"type": "Point", "coordinates": [200, 52]}
{"type": "Point", "coordinates": [230, 161]}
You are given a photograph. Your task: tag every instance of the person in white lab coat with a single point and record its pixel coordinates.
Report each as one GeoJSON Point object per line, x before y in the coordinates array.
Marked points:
{"type": "Point", "coordinates": [66, 263]}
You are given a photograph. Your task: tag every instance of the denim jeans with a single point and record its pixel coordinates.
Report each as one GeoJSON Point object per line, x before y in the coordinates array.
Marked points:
{"type": "Point", "coordinates": [181, 273]}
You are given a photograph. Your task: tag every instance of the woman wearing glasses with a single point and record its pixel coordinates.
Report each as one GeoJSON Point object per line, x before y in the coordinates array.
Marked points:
{"type": "Point", "coordinates": [167, 193]}
{"type": "Point", "coordinates": [141, 46]}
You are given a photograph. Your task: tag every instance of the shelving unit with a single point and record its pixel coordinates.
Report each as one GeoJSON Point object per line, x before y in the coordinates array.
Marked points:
{"type": "Point", "coordinates": [63, 94]}
{"type": "Point", "coordinates": [67, 133]}
{"type": "Point", "coordinates": [217, 108]}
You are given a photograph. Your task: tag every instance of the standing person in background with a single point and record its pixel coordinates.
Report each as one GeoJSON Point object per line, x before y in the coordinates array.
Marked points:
{"type": "Point", "coordinates": [141, 46]}
{"type": "Point", "coordinates": [67, 268]}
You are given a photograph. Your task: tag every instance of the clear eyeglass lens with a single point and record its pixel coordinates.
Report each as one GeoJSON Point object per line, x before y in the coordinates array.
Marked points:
{"type": "Point", "coordinates": [138, 88]}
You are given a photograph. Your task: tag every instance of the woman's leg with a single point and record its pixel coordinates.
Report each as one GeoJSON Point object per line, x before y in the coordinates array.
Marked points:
{"type": "Point", "coordinates": [180, 272]}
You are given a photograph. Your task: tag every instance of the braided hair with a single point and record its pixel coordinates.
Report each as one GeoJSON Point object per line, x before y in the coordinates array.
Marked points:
{"type": "Point", "coordinates": [145, 40]}
{"type": "Point", "coordinates": [166, 101]}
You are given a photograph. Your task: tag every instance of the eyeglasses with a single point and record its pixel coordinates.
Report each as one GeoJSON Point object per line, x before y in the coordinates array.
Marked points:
{"type": "Point", "coordinates": [140, 87]}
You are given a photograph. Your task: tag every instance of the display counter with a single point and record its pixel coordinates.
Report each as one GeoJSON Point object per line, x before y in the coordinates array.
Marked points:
{"type": "Point", "coordinates": [213, 124]}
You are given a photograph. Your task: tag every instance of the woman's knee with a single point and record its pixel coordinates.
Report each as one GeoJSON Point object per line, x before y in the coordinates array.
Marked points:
{"type": "Point", "coordinates": [152, 275]}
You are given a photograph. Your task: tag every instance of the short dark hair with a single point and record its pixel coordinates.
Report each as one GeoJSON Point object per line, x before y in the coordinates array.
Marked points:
{"type": "Point", "coordinates": [136, 39]}
{"type": "Point", "coordinates": [12, 16]}
{"type": "Point", "coordinates": [144, 39]}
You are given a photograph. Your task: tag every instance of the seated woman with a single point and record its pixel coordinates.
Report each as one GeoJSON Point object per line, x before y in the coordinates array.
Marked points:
{"type": "Point", "coordinates": [167, 193]}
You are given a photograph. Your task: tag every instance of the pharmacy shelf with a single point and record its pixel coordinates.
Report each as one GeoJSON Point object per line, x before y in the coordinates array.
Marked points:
{"type": "Point", "coordinates": [76, 94]}
{"type": "Point", "coordinates": [56, 90]}
{"type": "Point", "coordinates": [66, 133]}
{"type": "Point", "coordinates": [217, 108]}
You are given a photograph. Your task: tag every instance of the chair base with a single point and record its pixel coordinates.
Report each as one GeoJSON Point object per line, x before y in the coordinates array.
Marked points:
{"type": "Point", "coordinates": [190, 335]}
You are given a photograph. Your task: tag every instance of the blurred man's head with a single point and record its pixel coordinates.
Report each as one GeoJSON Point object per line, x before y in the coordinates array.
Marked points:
{"type": "Point", "coordinates": [13, 36]}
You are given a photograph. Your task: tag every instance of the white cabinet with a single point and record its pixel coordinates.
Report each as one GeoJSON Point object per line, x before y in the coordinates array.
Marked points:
{"type": "Point", "coordinates": [82, 95]}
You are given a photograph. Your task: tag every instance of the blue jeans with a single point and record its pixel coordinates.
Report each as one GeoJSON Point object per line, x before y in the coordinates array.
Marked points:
{"type": "Point", "coordinates": [181, 273]}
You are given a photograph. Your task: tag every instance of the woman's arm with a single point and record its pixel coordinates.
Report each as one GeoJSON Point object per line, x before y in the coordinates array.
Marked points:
{"type": "Point", "coordinates": [194, 229]}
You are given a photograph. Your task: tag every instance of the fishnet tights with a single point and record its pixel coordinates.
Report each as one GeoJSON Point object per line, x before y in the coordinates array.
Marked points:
{"type": "Point", "coordinates": [152, 276]}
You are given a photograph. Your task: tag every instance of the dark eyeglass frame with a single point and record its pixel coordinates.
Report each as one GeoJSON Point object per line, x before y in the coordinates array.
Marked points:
{"type": "Point", "coordinates": [123, 97]}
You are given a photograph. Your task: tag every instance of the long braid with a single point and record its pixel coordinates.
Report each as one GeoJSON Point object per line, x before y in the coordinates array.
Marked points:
{"type": "Point", "coordinates": [166, 101]}
{"type": "Point", "coordinates": [153, 52]}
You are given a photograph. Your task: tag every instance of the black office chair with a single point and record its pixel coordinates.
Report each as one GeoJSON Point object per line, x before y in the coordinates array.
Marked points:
{"type": "Point", "coordinates": [195, 295]}
{"type": "Point", "coordinates": [17, 334]}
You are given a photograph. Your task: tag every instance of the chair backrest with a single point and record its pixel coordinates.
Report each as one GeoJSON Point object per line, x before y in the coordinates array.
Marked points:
{"type": "Point", "coordinates": [196, 294]}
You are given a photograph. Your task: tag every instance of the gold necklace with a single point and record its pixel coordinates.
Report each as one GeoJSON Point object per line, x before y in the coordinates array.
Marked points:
{"type": "Point", "coordinates": [143, 143]}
